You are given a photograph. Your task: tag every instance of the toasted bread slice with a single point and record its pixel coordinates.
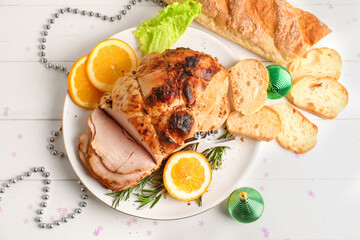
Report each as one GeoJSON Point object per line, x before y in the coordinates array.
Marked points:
{"type": "Point", "coordinates": [324, 97]}
{"type": "Point", "coordinates": [319, 63]}
{"type": "Point", "coordinates": [248, 80]}
{"type": "Point", "coordinates": [264, 125]}
{"type": "Point", "coordinates": [297, 133]}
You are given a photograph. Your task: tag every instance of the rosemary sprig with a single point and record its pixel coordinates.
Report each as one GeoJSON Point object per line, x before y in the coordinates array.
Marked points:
{"type": "Point", "coordinates": [148, 196]}
{"type": "Point", "coordinates": [215, 155]}
{"type": "Point", "coordinates": [154, 192]}
{"type": "Point", "coordinates": [120, 195]}
{"type": "Point", "coordinates": [199, 201]}
{"type": "Point", "coordinates": [151, 188]}
{"type": "Point", "coordinates": [125, 194]}
{"type": "Point", "coordinates": [190, 147]}
{"type": "Point", "coordinates": [225, 135]}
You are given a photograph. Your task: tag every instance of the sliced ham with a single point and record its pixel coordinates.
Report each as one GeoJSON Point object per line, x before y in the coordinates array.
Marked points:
{"type": "Point", "coordinates": [130, 112]}
{"type": "Point", "coordinates": [84, 143]}
{"type": "Point", "coordinates": [119, 152]}
{"type": "Point", "coordinates": [108, 179]}
{"type": "Point", "coordinates": [121, 180]}
{"type": "Point", "coordinates": [135, 126]}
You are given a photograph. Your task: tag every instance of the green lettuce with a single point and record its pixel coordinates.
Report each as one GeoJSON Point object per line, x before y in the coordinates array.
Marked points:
{"type": "Point", "coordinates": [161, 32]}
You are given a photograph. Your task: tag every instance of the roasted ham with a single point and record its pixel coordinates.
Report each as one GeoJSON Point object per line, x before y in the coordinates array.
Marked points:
{"type": "Point", "coordinates": [119, 152]}
{"type": "Point", "coordinates": [178, 90]}
{"type": "Point", "coordinates": [150, 112]}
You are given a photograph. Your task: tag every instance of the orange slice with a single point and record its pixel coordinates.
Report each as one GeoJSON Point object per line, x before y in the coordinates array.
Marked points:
{"type": "Point", "coordinates": [187, 175]}
{"type": "Point", "coordinates": [81, 91]}
{"type": "Point", "coordinates": [108, 61]}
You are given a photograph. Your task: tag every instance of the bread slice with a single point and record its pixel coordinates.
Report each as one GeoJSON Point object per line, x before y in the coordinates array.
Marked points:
{"type": "Point", "coordinates": [297, 133]}
{"type": "Point", "coordinates": [248, 81]}
{"type": "Point", "coordinates": [264, 125]}
{"type": "Point", "coordinates": [324, 97]}
{"type": "Point", "coordinates": [319, 63]}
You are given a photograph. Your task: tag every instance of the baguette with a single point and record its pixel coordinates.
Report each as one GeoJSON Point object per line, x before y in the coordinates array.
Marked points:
{"type": "Point", "coordinates": [324, 97]}
{"type": "Point", "coordinates": [297, 133]}
{"type": "Point", "coordinates": [319, 63]}
{"type": "Point", "coordinates": [264, 125]}
{"type": "Point", "coordinates": [248, 82]}
{"type": "Point", "coordinates": [273, 29]}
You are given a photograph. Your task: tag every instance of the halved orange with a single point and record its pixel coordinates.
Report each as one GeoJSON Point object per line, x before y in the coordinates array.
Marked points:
{"type": "Point", "coordinates": [187, 175]}
{"type": "Point", "coordinates": [108, 61]}
{"type": "Point", "coordinates": [81, 91]}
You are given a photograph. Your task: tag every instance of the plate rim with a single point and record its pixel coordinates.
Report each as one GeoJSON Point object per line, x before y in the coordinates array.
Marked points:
{"type": "Point", "coordinates": [247, 168]}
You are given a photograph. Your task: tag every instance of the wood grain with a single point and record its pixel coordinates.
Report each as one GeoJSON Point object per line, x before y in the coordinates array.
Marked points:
{"type": "Point", "coordinates": [311, 196]}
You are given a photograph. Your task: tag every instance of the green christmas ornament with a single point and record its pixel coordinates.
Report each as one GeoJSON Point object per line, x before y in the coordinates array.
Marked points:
{"type": "Point", "coordinates": [279, 82]}
{"type": "Point", "coordinates": [245, 205]}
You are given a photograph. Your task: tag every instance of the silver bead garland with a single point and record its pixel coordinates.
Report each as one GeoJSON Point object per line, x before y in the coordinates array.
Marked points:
{"type": "Point", "coordinates": [41, 211]}
{"type": "Point", "coordinates": [80, 12]}
{"type": "Point", "coordinates": [52, 139]}
{"type": "Point", "coordinates": [54, 134]}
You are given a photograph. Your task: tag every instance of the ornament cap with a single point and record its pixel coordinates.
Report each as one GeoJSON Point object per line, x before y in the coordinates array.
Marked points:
{"type": "Point", "coordinates": [243, 196]}
{"type": "Point", "coordinates": [245, 205]}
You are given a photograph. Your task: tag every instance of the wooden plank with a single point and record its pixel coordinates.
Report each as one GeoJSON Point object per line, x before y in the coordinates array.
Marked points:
{"type": "Point", "coordinates": [334, 156]}
{"type": "Point", "coordinates": [23, 145]}
{"type": "Point", "coordinates": [122, 3]}
{"type": "Point", "coordinates": [294, 209]}
{"type": "Point", "coordinates": [30, 91]}
{"type": "Point", "coordinates": [74, 36]}
{"type": "Point", "coordinates": [312, 196]}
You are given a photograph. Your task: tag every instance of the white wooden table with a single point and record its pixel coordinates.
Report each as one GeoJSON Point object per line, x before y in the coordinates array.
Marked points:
{"type": "Point", "coordinates": [311, 196]}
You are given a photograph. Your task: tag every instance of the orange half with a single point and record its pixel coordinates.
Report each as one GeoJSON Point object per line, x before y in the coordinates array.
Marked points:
{"type": "Point", "coordinates": [108, 61]}
{"type": "Point", "coordinates": [81, 91]}
{"type": "Point", "coordinates": [187, 175]}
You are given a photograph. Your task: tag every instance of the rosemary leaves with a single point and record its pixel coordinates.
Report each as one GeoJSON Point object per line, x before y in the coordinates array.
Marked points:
{"type": "Point", "coordinates": [149, 190]}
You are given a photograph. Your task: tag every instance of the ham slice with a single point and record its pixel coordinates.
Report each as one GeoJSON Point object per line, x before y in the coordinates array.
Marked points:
{"type": "Point", "coordinates": [130, 112]}
{"type": "Point", "coordinates": [108, 179]}
{"type": "Point", "coordinates": [118, 151]}
{"type": "Point", "coordinates": [84, 143]}
{"type": "Point", "coordinates": [134, 127]}
{"type": "Point", "coordinates": [104, 175]}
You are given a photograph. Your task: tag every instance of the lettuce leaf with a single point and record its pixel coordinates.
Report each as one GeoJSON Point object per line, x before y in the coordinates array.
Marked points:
{"type": "Point", "coordinates": [161, 32]}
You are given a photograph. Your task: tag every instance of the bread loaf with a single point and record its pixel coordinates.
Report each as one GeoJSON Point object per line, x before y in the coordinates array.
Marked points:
{"type": "Point", "coordinates": [325, 97]}
{"type": "Point", "coordinates": [297, 133]}
{"type": "Point", "coordinates": [264, 125]}
{"type": "Point", "coordinates": [319, 63]}
{"type": "Point", "coordinates": [248, 81]}
{"type": "Point", "coordinates": [273, 29]}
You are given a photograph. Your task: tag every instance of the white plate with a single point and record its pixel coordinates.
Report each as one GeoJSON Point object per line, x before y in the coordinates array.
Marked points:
{"type": "Point", "coordinates": [237, 161]}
